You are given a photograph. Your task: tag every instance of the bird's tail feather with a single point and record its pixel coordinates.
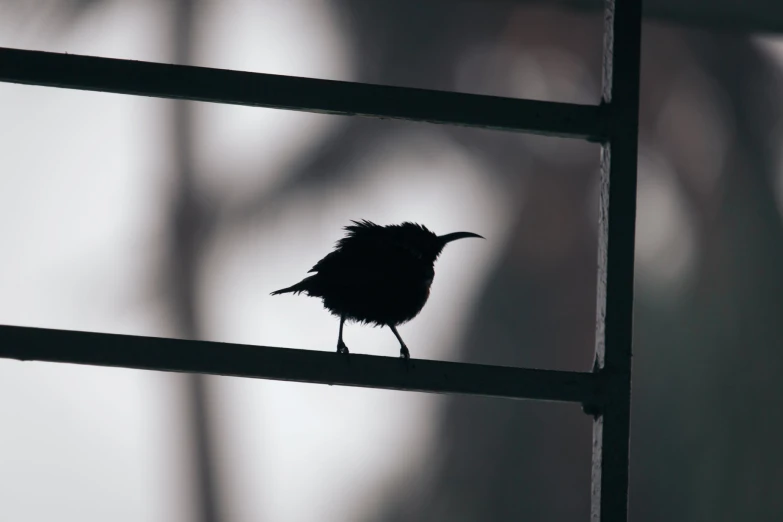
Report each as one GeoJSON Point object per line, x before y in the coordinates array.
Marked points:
{"type": "Point", "coordinates": [301, 286]}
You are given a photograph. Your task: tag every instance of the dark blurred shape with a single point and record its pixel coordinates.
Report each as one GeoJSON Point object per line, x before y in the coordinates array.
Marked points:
{"type": "Point", "coordinates": [377, 275]}
{"type": "Point", "coordinates": [189, 218]}
{"type": "Point", "coordinates": [708, 421]}
{"type": "Point", "coordinates": [70, 11]}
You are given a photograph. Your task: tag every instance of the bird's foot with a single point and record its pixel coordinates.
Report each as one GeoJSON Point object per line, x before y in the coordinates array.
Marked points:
{"type": "Point", "coordinates": [405, 355]}
{"type": "Point", "coordinates": [341, 348]}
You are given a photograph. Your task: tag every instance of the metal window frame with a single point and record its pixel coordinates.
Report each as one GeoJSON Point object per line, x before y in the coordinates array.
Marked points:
{"type": "Point", "coordinates": [605, 393]}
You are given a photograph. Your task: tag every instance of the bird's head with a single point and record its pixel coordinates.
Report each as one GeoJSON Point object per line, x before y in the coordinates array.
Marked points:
{"type": "Point", "coordinates": [423, 242]}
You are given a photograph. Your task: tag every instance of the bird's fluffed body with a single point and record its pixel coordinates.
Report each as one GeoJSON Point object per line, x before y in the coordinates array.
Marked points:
{"type": "Point", "coordinates": [379, 275]}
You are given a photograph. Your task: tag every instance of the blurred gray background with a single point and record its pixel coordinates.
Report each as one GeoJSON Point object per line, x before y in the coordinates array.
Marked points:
{"type": "Point", "coordinates": [152, 217]}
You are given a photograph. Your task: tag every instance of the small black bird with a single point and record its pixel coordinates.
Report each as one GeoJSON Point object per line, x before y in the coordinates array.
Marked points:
{"type": "Point", "coordinates": [377, 274]}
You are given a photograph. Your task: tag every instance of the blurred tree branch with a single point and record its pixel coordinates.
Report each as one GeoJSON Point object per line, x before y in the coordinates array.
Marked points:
{"type": "Point", "coordinates": [189, 224]}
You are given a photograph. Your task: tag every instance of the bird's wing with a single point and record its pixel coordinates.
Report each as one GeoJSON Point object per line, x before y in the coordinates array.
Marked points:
{"type": "Point", "coordinates": [364, 260]}
{"type": "Point", "coordinates": [347, 260]}
{"type": "Point", "coordinates": [327, 261]}
{"type": "Point", "coordinates": [366, 232]}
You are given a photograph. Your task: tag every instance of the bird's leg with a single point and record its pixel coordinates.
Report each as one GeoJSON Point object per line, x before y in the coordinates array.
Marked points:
{"type": "Point", "coordinates": [341, 348]}
{"type": "Point", "coordinates": [404, 352]}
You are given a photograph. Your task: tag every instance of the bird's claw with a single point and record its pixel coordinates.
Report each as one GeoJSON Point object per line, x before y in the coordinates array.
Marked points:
{"type": "Point", "coordinates": [405, 355]}
{"type": "Point", "coordinates": [341, 348]}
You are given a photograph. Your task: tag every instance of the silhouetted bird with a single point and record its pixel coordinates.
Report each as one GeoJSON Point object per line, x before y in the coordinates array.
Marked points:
{"type": "Point", "coordinates": [379, 275]}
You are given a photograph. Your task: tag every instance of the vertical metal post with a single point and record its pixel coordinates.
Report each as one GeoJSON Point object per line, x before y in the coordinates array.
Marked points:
{"type": "Point", "coordinates": [614, 321]}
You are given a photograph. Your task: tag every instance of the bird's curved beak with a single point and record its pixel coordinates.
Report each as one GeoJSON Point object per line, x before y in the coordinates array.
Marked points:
{"type": "Point", "coordinates": [448, 238]}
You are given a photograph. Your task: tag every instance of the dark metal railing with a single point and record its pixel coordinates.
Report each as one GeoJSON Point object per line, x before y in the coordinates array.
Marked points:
{"type": "Point", "coordinates": [605, 393]}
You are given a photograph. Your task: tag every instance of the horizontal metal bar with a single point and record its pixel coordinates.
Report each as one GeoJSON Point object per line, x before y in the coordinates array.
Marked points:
{"type": "Point", "coordinates": [286, 364]}
{"type": "Point", "coordinates": [300, 94]}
